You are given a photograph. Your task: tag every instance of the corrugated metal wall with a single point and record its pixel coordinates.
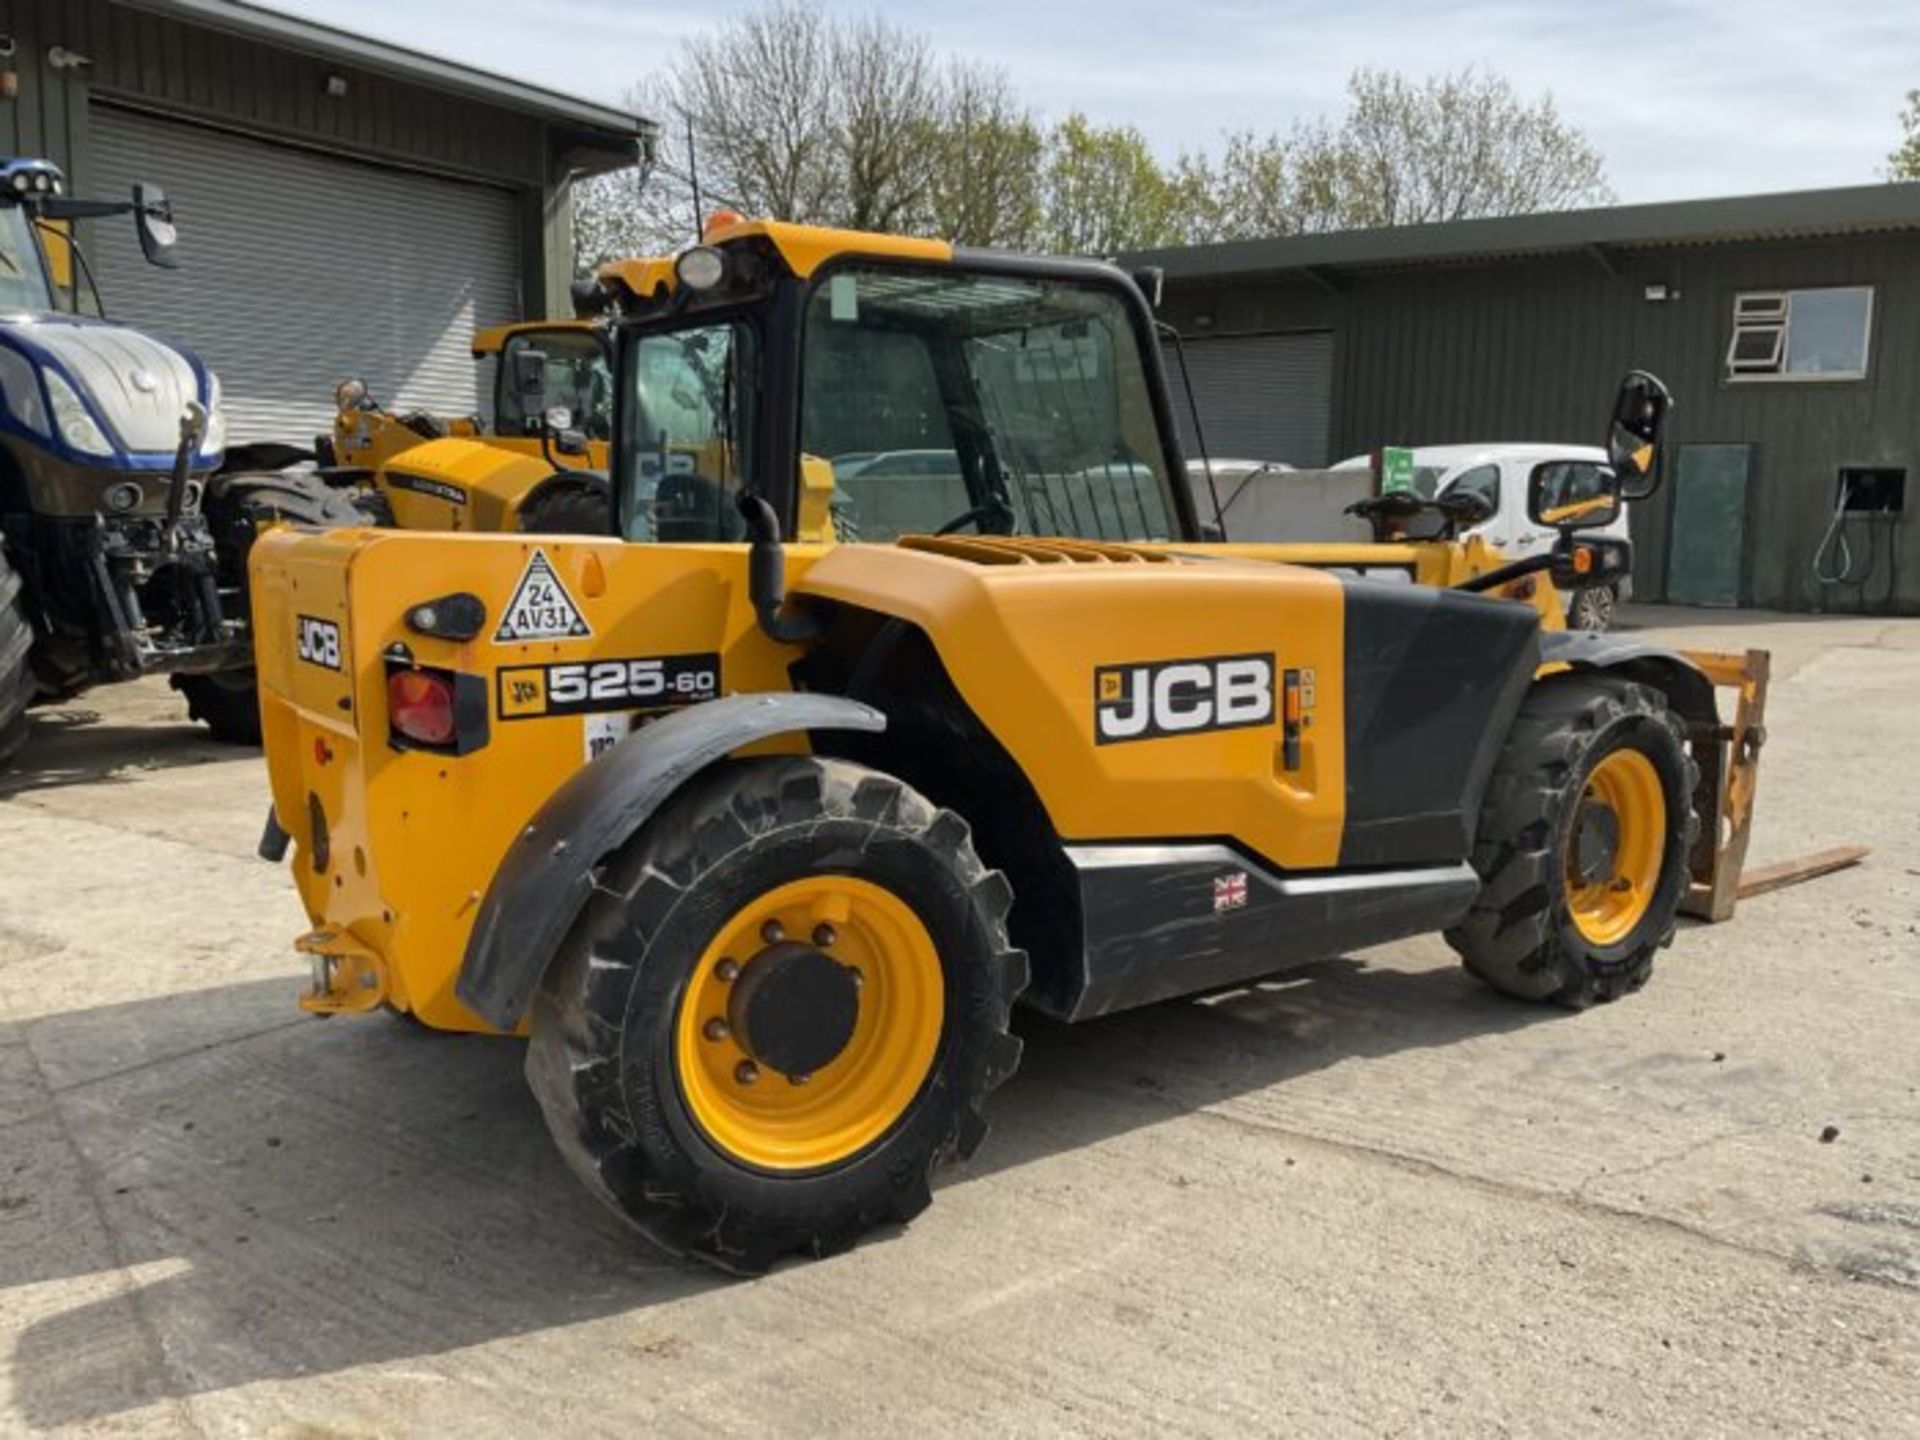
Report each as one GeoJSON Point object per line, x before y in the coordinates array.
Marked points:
{"type": "Point", "coordinates": [193, 73]}
{"type": "Point", "coordinates": [1530, 349]}
{"type": "Point", "coordinates": [1260, 397]}
{"type": "Point", "coordinates": [430, 262]}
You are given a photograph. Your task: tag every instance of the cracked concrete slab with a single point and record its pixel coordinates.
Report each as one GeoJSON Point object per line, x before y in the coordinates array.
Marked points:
{"type": "Point", "coordinates": [1369, 1197]}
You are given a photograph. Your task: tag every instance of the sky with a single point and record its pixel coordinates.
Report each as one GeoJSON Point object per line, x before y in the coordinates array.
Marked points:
{"type": "Point", "coordinates": [1684, 98]}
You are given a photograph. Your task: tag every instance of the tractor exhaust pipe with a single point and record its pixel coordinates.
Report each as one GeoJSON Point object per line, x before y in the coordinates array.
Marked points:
{"type": "Point", "coordinates": [193, 426]}
{"type": "Point", "coordinates": [767, 575]}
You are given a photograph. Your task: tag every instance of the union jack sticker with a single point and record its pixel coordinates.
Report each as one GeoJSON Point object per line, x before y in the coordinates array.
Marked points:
{"type": "Point", "coordinates": [1230, 892]}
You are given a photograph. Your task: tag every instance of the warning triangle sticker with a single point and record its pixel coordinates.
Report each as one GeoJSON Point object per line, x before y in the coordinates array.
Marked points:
{"type": "Point", "coordinates": [540, 608]}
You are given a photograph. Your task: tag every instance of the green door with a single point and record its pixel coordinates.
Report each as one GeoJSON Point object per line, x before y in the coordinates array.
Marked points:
{"type": "Point", "coordinates": [1709, 525]}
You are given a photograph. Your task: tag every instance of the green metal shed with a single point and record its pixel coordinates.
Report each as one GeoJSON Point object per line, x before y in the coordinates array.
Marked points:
{"type": "Point", "coordinates": [1788, 326]}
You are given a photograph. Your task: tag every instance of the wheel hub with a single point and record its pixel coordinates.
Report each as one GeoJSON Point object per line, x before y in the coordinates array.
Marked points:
{"type": "Point", "coordinates": [1596, 843]}
{"type": "Point", "coordinates": [794, 1008]}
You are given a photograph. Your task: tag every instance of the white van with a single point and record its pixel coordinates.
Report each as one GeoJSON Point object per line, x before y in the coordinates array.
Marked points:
{"type": "Point", "coordinates": [1500, 472]}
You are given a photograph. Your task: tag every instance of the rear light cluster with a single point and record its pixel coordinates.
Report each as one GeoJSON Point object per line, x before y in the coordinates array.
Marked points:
{"type": "Point", "coordinates": [433, 709]}
{"type": "Point", "coordinates": [420, 706]}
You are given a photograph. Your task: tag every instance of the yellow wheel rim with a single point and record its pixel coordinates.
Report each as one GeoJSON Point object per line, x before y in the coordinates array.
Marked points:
{"type": "Point", "coordinates": [773, 1121]}
{"type": "Point", "coordinates": [1608, 901]}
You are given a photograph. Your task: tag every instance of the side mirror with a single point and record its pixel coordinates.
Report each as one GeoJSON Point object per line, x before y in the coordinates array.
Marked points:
{"type": "Point", "coordinates": [1573, 495]}
{"type": "Point", "coordinates": [1152, 283]}
{"type": "Point", "coordinates": [529, 377]}
{"type": "Point", "coordinates": [1633, 437]}
{"type": "Point", "coordinates": [153, 219]}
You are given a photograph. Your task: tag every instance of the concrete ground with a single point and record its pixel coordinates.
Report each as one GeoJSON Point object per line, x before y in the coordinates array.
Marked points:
{"type": "Point", "coordinates": [1370, 1198]}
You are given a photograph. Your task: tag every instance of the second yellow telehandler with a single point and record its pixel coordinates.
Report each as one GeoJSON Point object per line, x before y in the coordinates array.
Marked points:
{"type": "Point", "coordinates": [541, 466]}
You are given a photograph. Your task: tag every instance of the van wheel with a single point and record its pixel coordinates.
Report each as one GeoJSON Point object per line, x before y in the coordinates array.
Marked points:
{"type": "Point", "coordinates": [1592, 609]}
{"type": "Point", "coordinates": [1582, 846]}
{"type": "Point", "coordinates": [783, 1009]}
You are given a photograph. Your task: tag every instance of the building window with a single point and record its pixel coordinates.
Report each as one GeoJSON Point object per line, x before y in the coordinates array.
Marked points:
{"type": "Point", "coordinates": [1801, 334]}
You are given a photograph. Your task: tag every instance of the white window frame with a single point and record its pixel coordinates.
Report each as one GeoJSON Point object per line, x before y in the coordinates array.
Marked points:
{"type": "Point", "coordinates": [1764, 310]}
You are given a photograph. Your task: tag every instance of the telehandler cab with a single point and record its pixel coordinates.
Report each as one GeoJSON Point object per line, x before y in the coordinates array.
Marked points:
{"type": "Point", "coordinates": [759, 842]}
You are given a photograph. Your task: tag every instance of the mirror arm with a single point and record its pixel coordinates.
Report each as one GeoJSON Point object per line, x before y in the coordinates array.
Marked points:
{"type": "Point", "coordinates": [1506, 574]}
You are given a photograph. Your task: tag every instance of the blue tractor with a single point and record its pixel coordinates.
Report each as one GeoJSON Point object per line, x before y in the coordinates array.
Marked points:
{"type": "Point", "coordinates": [124, 521]}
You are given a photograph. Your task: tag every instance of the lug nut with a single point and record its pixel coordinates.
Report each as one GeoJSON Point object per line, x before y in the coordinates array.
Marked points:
{"type": "Point", "coordinates": [824, 935]}
{"type": "Point", "coordinates": [859, 979]}
{"type": "Point", "coordinates": [716, 1029]}
{"type": "Point", "coordinates": [773, 932]}
{"type": "Point", "coordinates": [746, 1072]}
{"type": "Point", "coordinates": [727, 971]}
{"type": "Point", "coordinates": [798, 1079]}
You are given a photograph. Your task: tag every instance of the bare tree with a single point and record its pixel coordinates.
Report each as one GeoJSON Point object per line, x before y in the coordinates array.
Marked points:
{"type": "Point", "coordinates": [986, 186]}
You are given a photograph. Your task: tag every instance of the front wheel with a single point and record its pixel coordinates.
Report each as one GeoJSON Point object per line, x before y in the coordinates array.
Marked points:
{"type": "Point", "coordinates": [784, 1008]}
{"type": "Point", "coordinates": [567, 509]}
{"type": "Point", "coordinates": [1582, 845]}
{"type": "Point", "coordinates": [227, 703]}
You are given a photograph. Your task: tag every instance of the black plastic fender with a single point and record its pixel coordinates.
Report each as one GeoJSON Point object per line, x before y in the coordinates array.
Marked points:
{"type": "Point", "coordinates": [1686, 687]}
{"type": "Point", "coordinates": [545, 879]}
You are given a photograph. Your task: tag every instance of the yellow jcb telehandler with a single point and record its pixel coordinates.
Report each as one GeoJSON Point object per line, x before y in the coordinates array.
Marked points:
{"type": "Point", "coordinates": [758, 842]}
{"type": "Point", "coordinates": [541, 467]}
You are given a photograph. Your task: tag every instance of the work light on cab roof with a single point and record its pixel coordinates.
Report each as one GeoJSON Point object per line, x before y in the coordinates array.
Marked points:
{"type": "Point", "coordinates": [701, 267]}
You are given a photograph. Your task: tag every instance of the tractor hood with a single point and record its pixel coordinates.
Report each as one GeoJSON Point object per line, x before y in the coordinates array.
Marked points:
{"type": "Point", "coordinates": [133, 386]}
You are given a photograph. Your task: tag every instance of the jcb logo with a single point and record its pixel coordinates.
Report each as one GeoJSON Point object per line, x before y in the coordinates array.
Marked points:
{"type": "Point", "coordinates": [318, 642]}
{"type": "Point", "coordinates": [1181, 697]}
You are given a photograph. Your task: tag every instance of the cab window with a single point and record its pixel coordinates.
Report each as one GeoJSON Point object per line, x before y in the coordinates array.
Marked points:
{"type": "Point", "coordinates": [576, 379]}
{"type": "Point", "coordinates": [689, 444]}
{"type": "Point", "coordinates": [23, 277]}
{"type": "Point", "coordinates": [971, 402]}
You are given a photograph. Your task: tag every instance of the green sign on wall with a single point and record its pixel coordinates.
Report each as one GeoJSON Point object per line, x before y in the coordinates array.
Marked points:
{"type": "Point", "coordinates": [1396, 469]}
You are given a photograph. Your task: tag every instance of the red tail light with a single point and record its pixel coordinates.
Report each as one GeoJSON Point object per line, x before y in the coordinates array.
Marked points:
{"type": "Point", "coordinates": [420, 706]}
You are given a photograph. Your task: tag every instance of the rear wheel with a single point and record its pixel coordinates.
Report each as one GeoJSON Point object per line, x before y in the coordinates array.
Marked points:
{"type": "Point", "coordinates": [1582, 845]}
{"type": "Point", "coordinates": [238, 504]}
{"type": "Point", "coordinates": [785, 1007]}
{"type": "Point", "coordinates": [16, 675]}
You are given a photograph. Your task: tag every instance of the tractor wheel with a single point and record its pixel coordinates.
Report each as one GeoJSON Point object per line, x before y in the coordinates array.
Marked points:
{"type": "Point", "coordinates": [226, 702]}
{"type": "Point", "coordinates": [567, 510]}
{"type": "Point", "coordinates": [1592, 609]}
{"type": "Point", "coordinates": [783, 1009]}
{"type": "Point", "coordinates": [16, 674]}
{"type": "Point", "coordinates": [1582, 845]}
{"type": "Point", "coordinates": [238, 504]}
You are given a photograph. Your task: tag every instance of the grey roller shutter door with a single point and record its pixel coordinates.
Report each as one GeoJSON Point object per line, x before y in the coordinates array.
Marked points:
{"type": "Point", "coordinates": [1261, 397]}
{"type": "Point", "coordinates": [299, 269]}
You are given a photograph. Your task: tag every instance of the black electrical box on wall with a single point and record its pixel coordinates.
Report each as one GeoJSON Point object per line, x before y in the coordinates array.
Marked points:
{"type": "Point", "coordinates": [1872, 490]}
